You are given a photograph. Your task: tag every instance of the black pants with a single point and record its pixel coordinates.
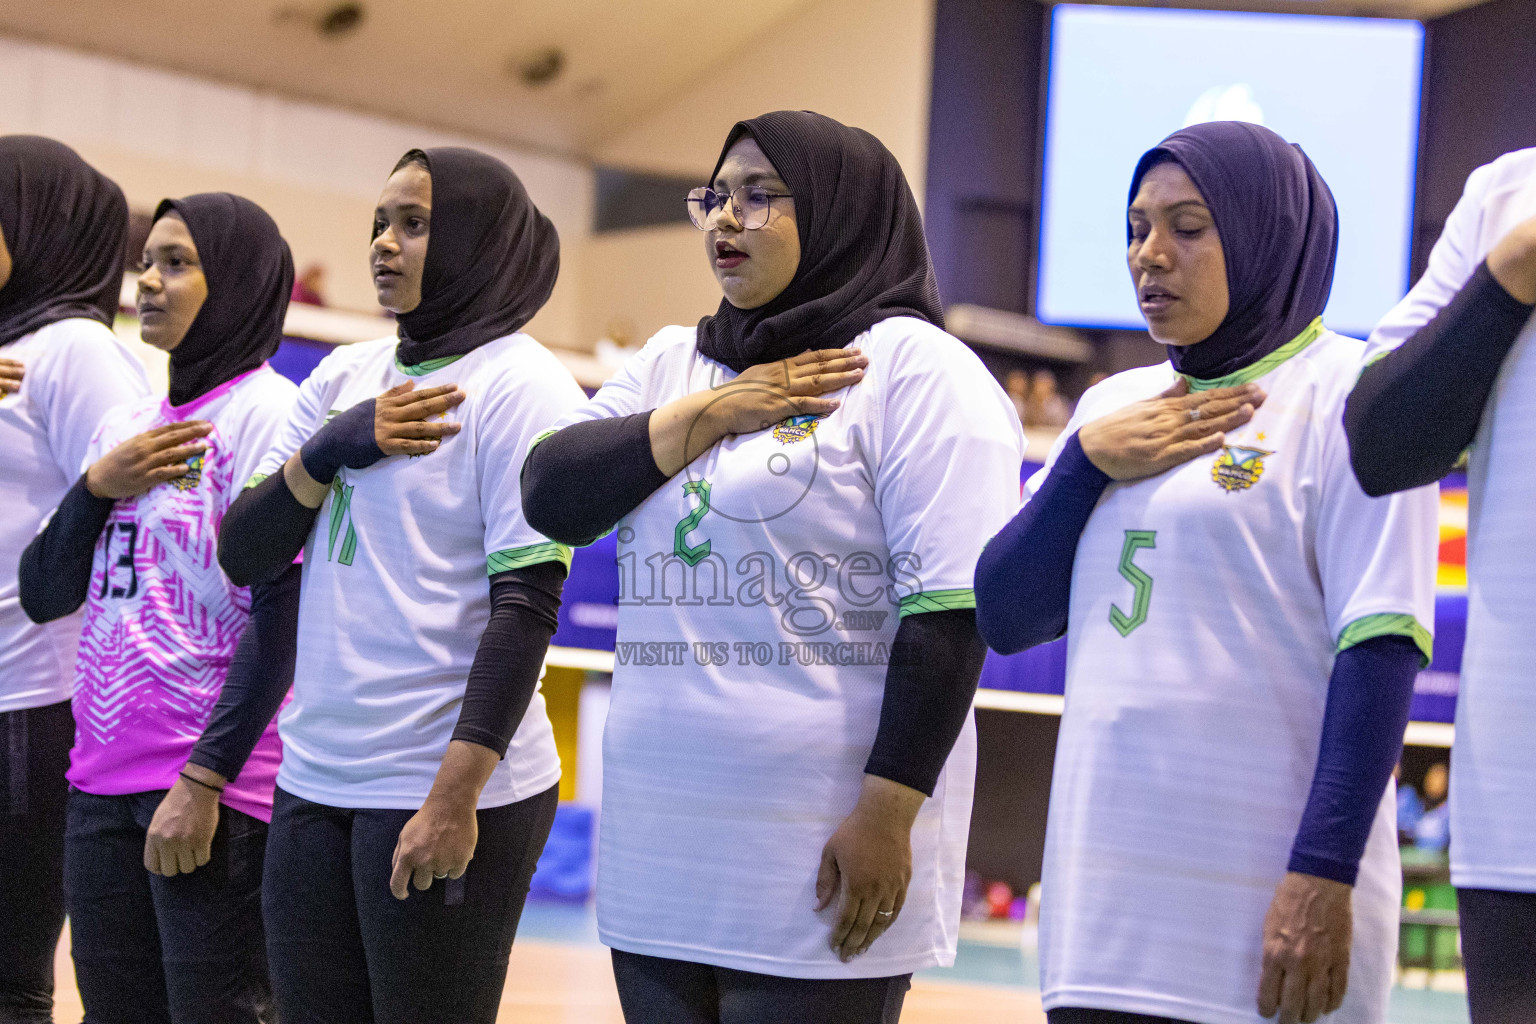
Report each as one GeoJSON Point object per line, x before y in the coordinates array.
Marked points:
{"type": "Point", "coordinates": [34, 755]}
{"type": "Point", "coordinates": [153, 950]}
{"type": "Point", "coordinates": [1083, 1015]}
{"type": "Point", "coordinates": [654, 990]}
{"type": "Point", "coordinates": [345, 951]}
{"type": "Point", "coordinates": [1498, 946]}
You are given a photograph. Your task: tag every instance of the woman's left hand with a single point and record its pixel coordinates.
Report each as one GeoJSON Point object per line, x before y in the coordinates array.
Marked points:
{"type": "Point", "coordinates": [179, 839]}
{"type": "Point", "coordinates": [1306, 948]}
{"type": "Point", "coordinates": [11, 374]}
{"type": "Point", "coordinates": [437, 842]}
{"type": "Point", "coordinates": [867, 864]}
{"type": "Point", "coordinates": [440, 839]}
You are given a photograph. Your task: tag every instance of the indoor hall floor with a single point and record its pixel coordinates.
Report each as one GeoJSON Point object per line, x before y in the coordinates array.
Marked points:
{"type": "Point", "coordinates": [560, 974]}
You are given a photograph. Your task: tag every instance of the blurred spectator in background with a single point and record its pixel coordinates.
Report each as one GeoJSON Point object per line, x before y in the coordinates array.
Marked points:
{"type": "Point", "coordinates": [139, 223]}
{"type": "Point", "coordinates": [1433, 829]}
{"type": "Point", "coordinates": [617, 343]}
{"type": "Point", "coordinates": [1046, 407]}
{"type": "Point", "coordinates": [309, 286]}
{"type": "Point", "coordinates": [1410, 807]}
{"type": "Point", "coordinates": [1016, 384]}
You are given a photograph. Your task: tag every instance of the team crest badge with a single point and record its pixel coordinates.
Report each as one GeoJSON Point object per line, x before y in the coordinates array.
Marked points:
{"type": "Point", "coordinates": [796, 428]}
{"type": "Point", "coordinates": [190, 478]}
{"type": "Point", "coordinates": [1238, 468]}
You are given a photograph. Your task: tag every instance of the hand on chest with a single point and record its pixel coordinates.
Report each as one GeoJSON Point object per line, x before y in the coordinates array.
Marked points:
{"type": "Point", "coordinates": [1262, 479]}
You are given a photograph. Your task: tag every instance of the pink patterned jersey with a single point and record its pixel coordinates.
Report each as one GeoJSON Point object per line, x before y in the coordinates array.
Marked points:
{"type": "Point", "coordinates": [161, 618]}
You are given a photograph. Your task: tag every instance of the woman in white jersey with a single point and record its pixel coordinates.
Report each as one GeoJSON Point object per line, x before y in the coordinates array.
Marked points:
{"type": "Point", "coordinates": [1243, 625]}
{"type": "Point", "coordinates": [800, 486]}
{"type": "Point", "coordinates": [416, 738]}
{"type": "Point", "coordinates": [179, 671]}
{"type": "Point", "coordinates": [61, 268]}
{"type": "Point", "coordinates": [1459, 372]}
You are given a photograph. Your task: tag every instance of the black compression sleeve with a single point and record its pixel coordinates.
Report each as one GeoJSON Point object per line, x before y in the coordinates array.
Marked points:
{"type": "Point", "coordinates": [1415, 411]}
{"type": "Point", "coordinates": [525, 609]}
{"type": "Point", "coordinates": [935, 664]}
{"type": "Point", "coordinates": [263, 532]}
{"type": "Point", "coordinates": [580, 481]}
{"type": "Point", "coordinates": [54, 576]}
{"type": "Point", "coordinates": [258, 680]}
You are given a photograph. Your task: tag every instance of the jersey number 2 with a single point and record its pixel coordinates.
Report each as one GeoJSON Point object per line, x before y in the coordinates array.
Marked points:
{"type": "Point", "coordinates": [692, 554]}
{"type": "Point", "coordinates": [1135, 540]}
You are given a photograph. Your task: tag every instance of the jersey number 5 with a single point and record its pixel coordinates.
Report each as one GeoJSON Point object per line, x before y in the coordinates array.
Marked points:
{"type": "Point", "coordinates": [1135, 540]}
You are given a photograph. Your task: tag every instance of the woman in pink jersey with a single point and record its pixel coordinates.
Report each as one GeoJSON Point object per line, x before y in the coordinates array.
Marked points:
{"type": "Point", "coordinates": [179, 672]}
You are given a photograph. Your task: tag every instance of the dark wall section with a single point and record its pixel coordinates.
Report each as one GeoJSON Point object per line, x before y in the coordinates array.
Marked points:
{"type": "Point", "coordinates": [989, 68]}
{"type": "Point", "coordinates": [1014, 754]}
{"type": "Point", "coordinates": [982, 140]}
{"type": "Point", "coordinates": [1480, 102]}
{"type": "Point", "coordinates": [634, 199]}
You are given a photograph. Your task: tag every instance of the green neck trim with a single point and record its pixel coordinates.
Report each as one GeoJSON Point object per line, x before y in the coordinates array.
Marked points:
{"type": "Point", "coordinates": [1248, 374]}
{"type": "Point", "coordinates": [423, 368]}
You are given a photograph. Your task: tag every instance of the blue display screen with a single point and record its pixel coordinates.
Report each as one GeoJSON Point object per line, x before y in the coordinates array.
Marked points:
{"type": "Point", "coordinates": [1345, 89]}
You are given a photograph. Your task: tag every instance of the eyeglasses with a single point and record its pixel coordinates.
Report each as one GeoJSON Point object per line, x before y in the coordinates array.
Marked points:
{"type": "Point", "coordinates": [749, 206]}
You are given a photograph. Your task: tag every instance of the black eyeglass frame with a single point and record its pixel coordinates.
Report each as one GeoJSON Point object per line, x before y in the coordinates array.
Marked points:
{"type": "Point", "coordinates": [704, 218]}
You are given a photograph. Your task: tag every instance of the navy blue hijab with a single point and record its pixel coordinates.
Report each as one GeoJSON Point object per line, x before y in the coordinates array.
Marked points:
{"type": "Point", "coordinates": [1279, 230]}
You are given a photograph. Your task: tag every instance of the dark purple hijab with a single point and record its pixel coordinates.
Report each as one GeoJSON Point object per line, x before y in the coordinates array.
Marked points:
{"type": "Point", "coordinates": [863, 257]}
{"type": "Point", "coordinates": [1279, 229]}
{"type": "Point", "coordinates": [64, 222]}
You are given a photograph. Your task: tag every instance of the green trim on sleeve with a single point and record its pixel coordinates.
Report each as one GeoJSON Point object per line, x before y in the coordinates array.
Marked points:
{"type": "Point", "coordinates": [937, 601]}
{"type": "Point", "coordinates": [1385, 624]}
{"type": "Point", "coordinates": [253, 481]}
{"type": "Point", "coordinates": [531, 554]}
{"type": "Point", "coordinates": [428, 366]}
{"type": "Point", "coordinates": [1249, 374]}
{"type": "Point", "coordinates": [544, 436]}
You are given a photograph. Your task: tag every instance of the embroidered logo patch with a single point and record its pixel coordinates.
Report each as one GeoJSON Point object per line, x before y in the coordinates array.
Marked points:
{"type": "Point", "coordinates": [1238, 468]}
{"type": "Point", "coordinates": [796, 428]}
{"type": "Point", "coordinates": [191, 477]}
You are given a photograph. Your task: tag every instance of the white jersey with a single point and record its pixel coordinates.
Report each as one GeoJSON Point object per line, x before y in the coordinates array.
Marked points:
{"type": "Point", "coordinates": [760, 590]}
{"type": "Point", "coordinates": [76, 370]}
{"type": "Point", "coordinates": [1207, 605]}
{"type": "Point", "coordinates": [395, 594]}
{"type": "Point", "coordinates": [1493, 765]}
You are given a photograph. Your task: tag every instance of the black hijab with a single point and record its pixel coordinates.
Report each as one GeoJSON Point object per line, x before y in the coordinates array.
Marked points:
{"type": "Point", "coordinates": [863, 257]}
{"type": "Point", "coordinates": [64, 224]}
{"type": "Point", "coordinates": [1279, 229]}
{"type": "Point", "coordinates": [250, 276]}
{"type": "Point", "coordinates": [492, 258]}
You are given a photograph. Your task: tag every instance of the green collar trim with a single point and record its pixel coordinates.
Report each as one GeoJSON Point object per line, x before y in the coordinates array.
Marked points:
{"type": "Point", "coordinates": [424, 368]}
{"type": "Point", "coordinates": [1249, 374]}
